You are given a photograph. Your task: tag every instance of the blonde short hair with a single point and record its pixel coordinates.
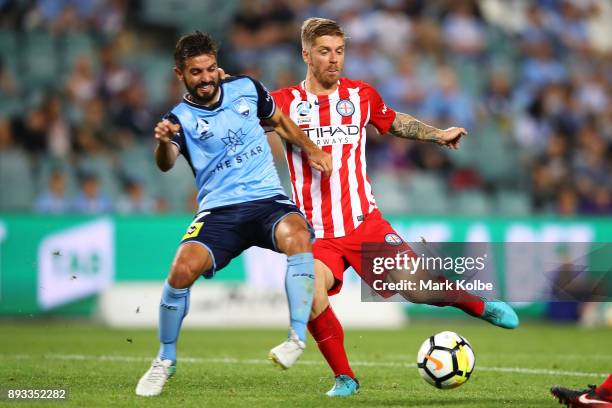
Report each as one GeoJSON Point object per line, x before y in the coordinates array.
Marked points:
{"type": "Point", "coordinates": [316, 27]}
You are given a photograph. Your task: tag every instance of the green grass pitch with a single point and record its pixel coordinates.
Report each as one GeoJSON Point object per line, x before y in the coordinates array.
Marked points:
{"type": "Point", "coordinates": [228, 368]}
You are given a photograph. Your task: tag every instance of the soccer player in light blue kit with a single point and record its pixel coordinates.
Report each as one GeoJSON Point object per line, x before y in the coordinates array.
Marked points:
{"type": "Point", "coordinates": [217, 129]}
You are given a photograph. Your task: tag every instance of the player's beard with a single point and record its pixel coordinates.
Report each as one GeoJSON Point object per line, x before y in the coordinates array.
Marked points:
{"type": "Point", "coordinates": [326, 78]}
{"type": "Point", "coordinates": [200, 97]}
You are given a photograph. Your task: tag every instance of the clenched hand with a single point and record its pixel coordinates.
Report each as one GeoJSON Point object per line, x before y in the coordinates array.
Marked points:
{"type": "Point", "coordinates": [165, 130]}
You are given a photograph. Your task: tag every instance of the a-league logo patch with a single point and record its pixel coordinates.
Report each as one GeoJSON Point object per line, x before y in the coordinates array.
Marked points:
{"type": "Point", "coordinates": [241, 106]}
{"type": "Point", "coordinates": [203, 129]}
{"type": "Point", "coordinates": [303, 108]}
{"type": "Point", "coordinates": [345, 107]}
{"type": "Point", "coordinates": [393, 239]}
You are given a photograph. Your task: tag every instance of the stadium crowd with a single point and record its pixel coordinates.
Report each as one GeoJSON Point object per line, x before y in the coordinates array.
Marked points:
{"type": "Point", "coordinates": [82, 83]}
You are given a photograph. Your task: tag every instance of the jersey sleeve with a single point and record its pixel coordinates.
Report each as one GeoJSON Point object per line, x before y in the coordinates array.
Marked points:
{"type": "Point", "coordinates": [280, 99]}
{"type": "Point", "coordinates": [265, 102]}
{"type": "Point", "coordinates": [179, 138]}
{"type": "Point", "coordinates": [381, 116]}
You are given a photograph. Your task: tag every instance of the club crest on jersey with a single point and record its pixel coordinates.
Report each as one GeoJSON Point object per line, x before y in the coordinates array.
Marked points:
{"type": "Point", "coordinates": [203, 129]}
{"type": "Point", "coordinates": [345, 107]}
{"type": "Point", "coordinates": [241, 106]}
{"type": "Point", "coordinates": [393, 239]}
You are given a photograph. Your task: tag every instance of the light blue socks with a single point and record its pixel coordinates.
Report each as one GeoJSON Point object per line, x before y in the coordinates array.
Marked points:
{"type": "Point", "coordinates": [299, 284]}
{"type": "Point", "coordinates": [173, 308]}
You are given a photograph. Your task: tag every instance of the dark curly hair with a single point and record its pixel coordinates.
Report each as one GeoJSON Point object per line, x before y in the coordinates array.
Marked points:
{"type": "Point", "coordinates": [192, 45]}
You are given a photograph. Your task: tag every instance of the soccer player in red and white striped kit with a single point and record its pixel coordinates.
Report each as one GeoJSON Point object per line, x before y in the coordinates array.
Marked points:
{"type": "Point", "coordinates": [334, 112]}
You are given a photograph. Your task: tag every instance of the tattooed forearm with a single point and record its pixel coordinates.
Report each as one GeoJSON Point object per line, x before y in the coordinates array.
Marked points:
{"type": "Point", "coordinates": [409, 127]}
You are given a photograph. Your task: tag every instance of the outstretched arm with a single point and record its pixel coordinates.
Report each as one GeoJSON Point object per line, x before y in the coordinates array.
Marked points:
{"type": "Point", "coordinates": [408, 127]}
{"type": "Point", "coordinates": [289, 131]}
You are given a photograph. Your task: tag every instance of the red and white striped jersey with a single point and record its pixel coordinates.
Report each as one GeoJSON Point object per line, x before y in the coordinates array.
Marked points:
{"type": "Point", "coordinates": [335, 206]}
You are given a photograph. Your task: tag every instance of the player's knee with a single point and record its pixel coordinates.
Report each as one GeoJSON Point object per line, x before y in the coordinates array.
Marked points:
{"type": "Point", "coordinates": [295, 241]}
{"type": "Point", "coordinates": [182, 274]}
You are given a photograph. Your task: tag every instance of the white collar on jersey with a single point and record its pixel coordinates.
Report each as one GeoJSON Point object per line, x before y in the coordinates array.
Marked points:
{"type": "Point", "coordinates": [303, 86]}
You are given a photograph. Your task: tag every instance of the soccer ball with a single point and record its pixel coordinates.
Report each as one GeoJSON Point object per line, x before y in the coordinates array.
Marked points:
{"type": "Point", "coordinates": [446, 360]}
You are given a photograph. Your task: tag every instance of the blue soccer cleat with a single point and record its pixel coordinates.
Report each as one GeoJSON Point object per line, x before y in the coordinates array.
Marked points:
{"type": "Point", "coordinates": [345, 386]}
{"type": "Point", "coordinates": [500, 314]}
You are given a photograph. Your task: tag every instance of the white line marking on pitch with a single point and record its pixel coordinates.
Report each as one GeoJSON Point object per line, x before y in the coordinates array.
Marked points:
{"type": "Point", "coordinates": [522, 355]}
{"type": "Point", "coordinates": [229, 360]}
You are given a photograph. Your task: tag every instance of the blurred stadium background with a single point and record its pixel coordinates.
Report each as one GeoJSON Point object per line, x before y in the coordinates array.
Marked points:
{"type": "Point", "coordinates": [88, 225]}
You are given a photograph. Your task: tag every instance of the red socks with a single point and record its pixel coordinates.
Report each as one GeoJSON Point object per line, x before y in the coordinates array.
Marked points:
{"type": "Point", "coordinates": [470, 304]}
{"type": "Point", "coordinates": [328, 333]}
{"type": "Point", "coordinates": [605, 389]}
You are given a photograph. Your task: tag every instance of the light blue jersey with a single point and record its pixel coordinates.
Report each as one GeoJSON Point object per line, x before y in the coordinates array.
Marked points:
{"type": "Point", "coordinates": [225, 145]}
